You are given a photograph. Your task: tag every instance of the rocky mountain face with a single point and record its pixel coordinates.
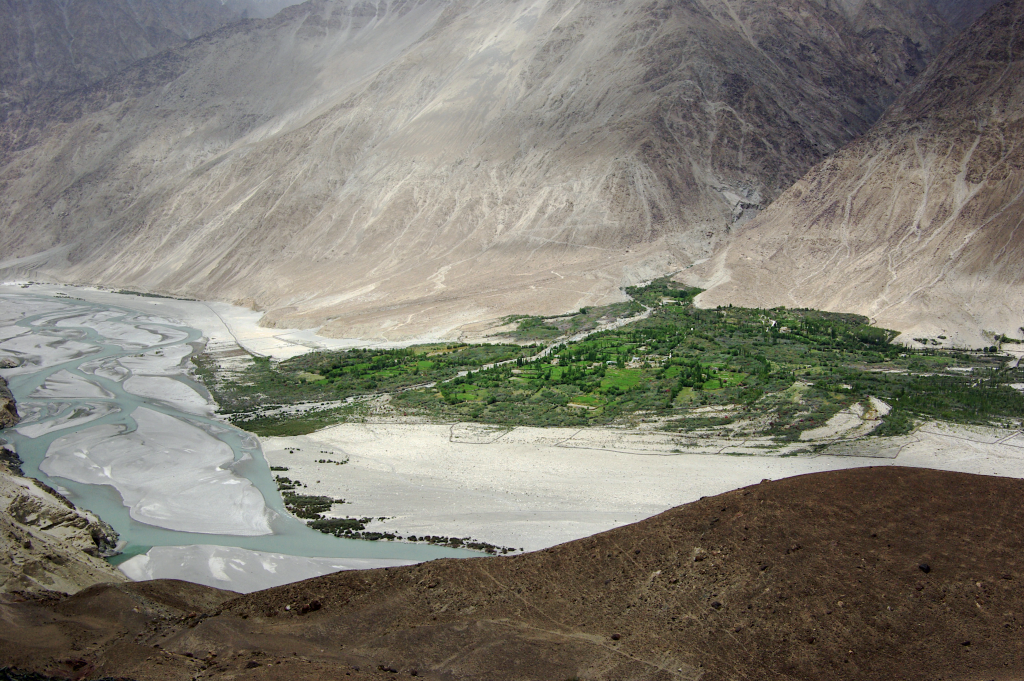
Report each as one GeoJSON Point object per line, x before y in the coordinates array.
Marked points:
{"type": "Point", "coordinates": [915, 18]}
{"type": "Point", "coordinates": [420, 166]}
{"type": "Point", "coordinates": [8, 409]}
{"type": "Point", "coordinates": [961, 14]}
{"type": "Point", "coordinates": [919, 223]}
{"type": "Point", "coordinates": [828, 576]}
{"type": "Point", "coordinates": [46, 544]}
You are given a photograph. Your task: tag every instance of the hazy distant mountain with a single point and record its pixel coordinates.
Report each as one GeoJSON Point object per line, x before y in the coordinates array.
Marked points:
{"type": "Point", "coordinates": [419, 165]}
{"type": "Point", "coordinates": [61, 45]}
{"type": "Point", "coordinates": [258, 9]}
{"type": "Point", "coordinates": [959, 13]}
{"type": "Point", "coordinates": [911, 16]}
{"type": "Point", "coordinates": [919, 224]}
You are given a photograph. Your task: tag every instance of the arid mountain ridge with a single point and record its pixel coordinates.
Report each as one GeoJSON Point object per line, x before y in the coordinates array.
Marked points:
{"type": "Point", "coordinates": [918, 224]}
{"type": "Point", "coordinates": [422, 167]}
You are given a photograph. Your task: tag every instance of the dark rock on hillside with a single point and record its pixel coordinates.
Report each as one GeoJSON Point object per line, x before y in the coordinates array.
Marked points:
{"type": "Point", "coordinates": [8, 408]}
{"type": "Point", "coordinates": [10, 460]}
{"type": "Point", "coordinates": [815, 577]}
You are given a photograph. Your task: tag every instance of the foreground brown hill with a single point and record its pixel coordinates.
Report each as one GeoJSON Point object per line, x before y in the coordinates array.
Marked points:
{"type": "Point", "coordinates": [919, 223]}
{"type": "Point", "coordinates": [414, 166]}
{"type": "Point", "coordinates": [884, 573]}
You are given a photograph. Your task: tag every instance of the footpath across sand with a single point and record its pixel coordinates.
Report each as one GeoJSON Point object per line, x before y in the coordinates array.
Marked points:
{"type": "Point", "coordinates": [531, 488]}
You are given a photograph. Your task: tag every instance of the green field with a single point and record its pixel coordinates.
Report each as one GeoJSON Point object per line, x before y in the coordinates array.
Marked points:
{"type": "Point", "coordinates": [790, 369]}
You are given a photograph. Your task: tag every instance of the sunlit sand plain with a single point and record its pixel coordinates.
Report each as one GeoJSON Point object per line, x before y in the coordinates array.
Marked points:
{"type": "Point", "coordinates": [532, 487]}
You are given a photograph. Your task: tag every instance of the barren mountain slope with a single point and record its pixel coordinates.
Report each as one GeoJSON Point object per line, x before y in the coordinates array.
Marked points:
{"type": "Point", "coordinates": [59, 45]}
{"type": "Point", "coordinates": [883, 573]}
{"type": "Point", "coordinates": [911, 17]}
{"type": "Point", "coordinates": [418, 165]}
{"type": "Point", "coordinates": [920, 224]}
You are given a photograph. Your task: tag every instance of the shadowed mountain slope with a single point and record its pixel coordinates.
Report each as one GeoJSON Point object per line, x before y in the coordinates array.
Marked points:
{"type": "Point", "coordinates": [919, 223]}
{"type": "Point", "coordinates": [416, 166]}
{"type": "Point", "coordinates": [912, 17]}
{"type": "Point", "coordinates": [878, 573]}
{"type": "Point", "coordinates": [53, 46]}
{"type": "Point", "coordinates": [962, 14]}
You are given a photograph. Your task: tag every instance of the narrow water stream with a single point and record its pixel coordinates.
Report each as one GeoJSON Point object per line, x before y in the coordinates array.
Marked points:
{"type": "Point", "coordinates": [75, 359]}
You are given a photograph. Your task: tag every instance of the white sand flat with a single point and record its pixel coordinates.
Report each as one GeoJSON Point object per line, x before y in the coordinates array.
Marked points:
{"type": "Point", "coordinates": [525, 489]}
{"type": "Point", "coordinates": [169, 473]}
{"type": "Point", "coordinates": [39, 351]}
{"type": "Point", "coordinates": [108, 368]}
{"type": "Point", "coordinates": [75, 418]}
{"type": "Point", "coordinates": [66, 385]}
{"type": "Point", "coordinates": [122, 333]}
{"type": "Point", "coordinates": [169, 391]}
{"type": "Point", "coordinates": [163, 362]}
{"type": "Point", "coordinates": [512, 492]}
{"type": "Point", "coordinates": [14, 310]}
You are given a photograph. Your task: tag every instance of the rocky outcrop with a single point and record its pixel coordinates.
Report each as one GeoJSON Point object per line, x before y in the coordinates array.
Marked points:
{"type": "Point", "coordinates": [8, 409]}
{"type": "Point", "coordinates": [410, 167]}
{"type": "Point", "coordinates": [918, 224]}
{"type": "Point", "coordinates": [46, 544]}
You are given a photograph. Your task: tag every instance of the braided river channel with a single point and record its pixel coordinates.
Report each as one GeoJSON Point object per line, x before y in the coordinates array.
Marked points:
{"type": "Point", "coordinates": [112, 418]}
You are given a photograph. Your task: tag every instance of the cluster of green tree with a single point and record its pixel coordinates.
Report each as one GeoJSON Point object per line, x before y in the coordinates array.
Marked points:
{"type": "Point", "coordinates": [529, 328]}
{"type": "Point", "coordinates": [309, 507]}
{"type": "Point", "coordinates": [660, 289]}
{"type": "Point", "coordinates": [355, 528]}
{"type": "Point", "coordinates": [678, 358]}
{"type": "Point", "coordinates": [331, 376]}
{"type": "Point", "coordinates": [533, 328]}
{"type": "Point", "coordinates": [683, 357]}
{"type": "Point", "coordinates": [983, 396]}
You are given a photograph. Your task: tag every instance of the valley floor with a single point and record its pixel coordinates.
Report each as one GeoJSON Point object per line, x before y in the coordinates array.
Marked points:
{"type": "Point", "coordinates": [531, 488]}
{"type": "Point", "coordinates": [525, 488]}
